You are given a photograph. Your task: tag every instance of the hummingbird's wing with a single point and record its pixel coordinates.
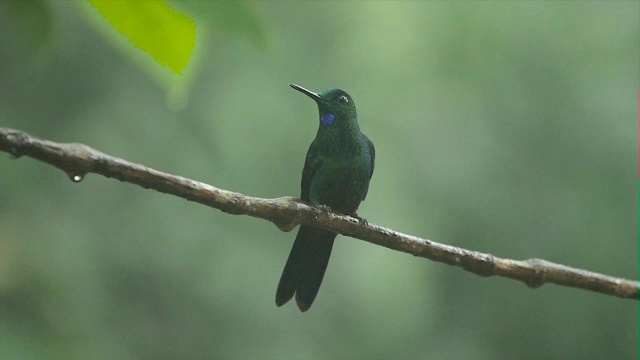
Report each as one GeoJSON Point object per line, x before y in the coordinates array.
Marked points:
{"type": "Point", "coordinates": [372, 157]}
{"type": "Point", "coordinates": [310, 166]}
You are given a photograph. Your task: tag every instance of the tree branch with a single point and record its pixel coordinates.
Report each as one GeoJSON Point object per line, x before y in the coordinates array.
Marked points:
{"type": "Point", "coordinates": [286, 213]}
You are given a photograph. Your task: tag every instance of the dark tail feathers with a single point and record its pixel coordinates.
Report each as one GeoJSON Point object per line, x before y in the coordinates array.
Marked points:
{"type": "Point", "coordinates": [305, 267]}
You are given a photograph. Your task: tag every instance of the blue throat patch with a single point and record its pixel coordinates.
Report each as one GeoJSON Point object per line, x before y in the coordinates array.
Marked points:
{"type": "Point", "coordinates": [327, 119]}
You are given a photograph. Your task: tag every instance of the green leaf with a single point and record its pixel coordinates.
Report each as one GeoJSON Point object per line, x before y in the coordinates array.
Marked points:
{"type": "Point", "coordinates": [154, 27]}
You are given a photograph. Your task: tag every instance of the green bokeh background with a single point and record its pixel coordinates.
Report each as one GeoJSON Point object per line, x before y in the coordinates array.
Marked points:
{"type": "Point", "coordinates": [502, 127]}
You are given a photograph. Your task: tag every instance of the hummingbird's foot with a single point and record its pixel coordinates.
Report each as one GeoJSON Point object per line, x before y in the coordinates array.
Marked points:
{"type": "Point", "coordinates": [361, 220]}
{"type": "Point", "coordinates": [324, 208]}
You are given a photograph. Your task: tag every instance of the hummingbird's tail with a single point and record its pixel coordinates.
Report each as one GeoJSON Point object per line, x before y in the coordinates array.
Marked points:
{"type": "Point", "coordinates": [305, 267]}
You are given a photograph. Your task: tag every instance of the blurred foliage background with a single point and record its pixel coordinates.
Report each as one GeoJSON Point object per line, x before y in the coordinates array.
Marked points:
{"type": "Point", "coordinates": [502, 127]}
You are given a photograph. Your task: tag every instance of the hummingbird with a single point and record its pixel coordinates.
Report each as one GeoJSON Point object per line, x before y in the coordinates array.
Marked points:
{"type": "Point", "coordinates": [335, 177]}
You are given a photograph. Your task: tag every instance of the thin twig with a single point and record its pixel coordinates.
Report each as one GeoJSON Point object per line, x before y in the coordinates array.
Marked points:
{"type": "Point", "coordinates": [286, 212]}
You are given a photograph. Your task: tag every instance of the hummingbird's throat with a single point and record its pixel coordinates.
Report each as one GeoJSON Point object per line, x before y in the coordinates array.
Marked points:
{"type": "Point", "coordinates": [327, 119]}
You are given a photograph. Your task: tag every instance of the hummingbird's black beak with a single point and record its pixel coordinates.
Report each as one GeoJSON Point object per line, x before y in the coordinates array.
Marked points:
{"type": "Point", "coordinates": [309, 93]}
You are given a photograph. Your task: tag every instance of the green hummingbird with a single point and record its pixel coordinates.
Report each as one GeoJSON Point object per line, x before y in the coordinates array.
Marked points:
{"type": "Point", "coordinates": [336, 175]}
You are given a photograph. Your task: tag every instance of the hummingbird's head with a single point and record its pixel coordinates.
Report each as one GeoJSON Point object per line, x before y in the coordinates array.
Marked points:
{"type": "Point", "coordinates": [334, 105]}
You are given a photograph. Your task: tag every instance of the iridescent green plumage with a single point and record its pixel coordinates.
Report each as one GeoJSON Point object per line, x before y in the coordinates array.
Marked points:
{"type": "Point", "coordinates": [336, 174]}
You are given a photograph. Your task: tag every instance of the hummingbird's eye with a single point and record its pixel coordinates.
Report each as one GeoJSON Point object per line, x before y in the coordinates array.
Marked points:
{"type": "Point", "coordinates": [343, 99]}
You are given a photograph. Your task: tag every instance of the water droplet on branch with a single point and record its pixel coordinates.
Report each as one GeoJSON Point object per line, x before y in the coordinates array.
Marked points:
{"type": "Point", "coordinates": [76, 178]}
{"type": "Point", "coordinates": [14, 153]}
